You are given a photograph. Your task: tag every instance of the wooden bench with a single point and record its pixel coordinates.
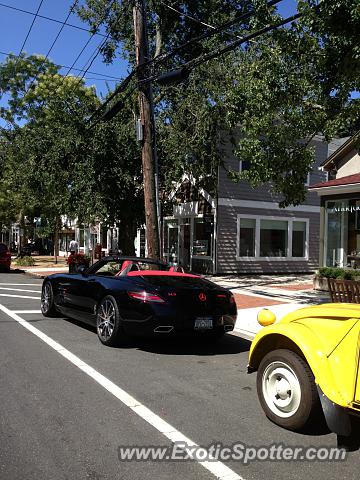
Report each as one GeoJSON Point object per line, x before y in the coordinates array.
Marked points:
{"type": "Point", "coordinates": [344, 291]}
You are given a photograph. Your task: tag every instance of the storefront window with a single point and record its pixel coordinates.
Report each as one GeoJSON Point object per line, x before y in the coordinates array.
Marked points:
{"type": "Point", "coordinates": [342, 233]}
{"type": "Point", "coordinates": [171, 231]}
{"type": "Point", "coordinates": [273, 238]}
{"type": "Point", "coordinates": [203, 228]}
{"type": "Point", "coordinates": [298, 239]}
{"type": "Point", "coordinates": [81, 237]}
{"type": "Point", "coordinates": [247, 237]}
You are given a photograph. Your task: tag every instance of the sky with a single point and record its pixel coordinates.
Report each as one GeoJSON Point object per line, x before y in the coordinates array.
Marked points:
{"type": "Point", "coordinates": [14, 26]}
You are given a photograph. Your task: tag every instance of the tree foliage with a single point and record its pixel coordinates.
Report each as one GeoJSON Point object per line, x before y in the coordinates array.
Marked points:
{"type": "Point", "coordinates": [52, 163]}
{"type": "Point", "coordinates": [271, 96]}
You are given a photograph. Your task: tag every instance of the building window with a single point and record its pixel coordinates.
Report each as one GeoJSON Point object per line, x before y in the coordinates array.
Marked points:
{"type": "Point", "coordinates": [342, 233]}
{"type": "Point", "coordinates": [276, 238]}
{"type": "Point", "coordinates": [247, 237]}
{"type": "Point", "coordinates": [298, 239]}
{"type": "Point", "coordinates": [244, 165]}
{"type": "Point", "coordinates": [202, 241]}
{"type": "Point", "coordinates": [273, 238]}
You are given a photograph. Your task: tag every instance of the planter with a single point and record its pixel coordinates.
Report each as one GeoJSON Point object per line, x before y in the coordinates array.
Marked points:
{"type": "Point", "coordinates": [320, 283]}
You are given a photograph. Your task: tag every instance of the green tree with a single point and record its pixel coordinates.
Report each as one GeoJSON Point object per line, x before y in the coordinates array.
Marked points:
{"type": "Point", "coordinates": [67, 169]}
{"type": "Point", "coordinates": [271, 96]}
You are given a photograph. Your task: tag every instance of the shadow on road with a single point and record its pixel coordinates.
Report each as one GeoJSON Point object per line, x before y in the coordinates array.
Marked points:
{"type": "Point", "coordinates": [229, 344]}
{"type": "Point", "coordinates": [176, 345]}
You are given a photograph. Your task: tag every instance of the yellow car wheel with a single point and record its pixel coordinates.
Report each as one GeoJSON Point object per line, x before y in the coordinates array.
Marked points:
{"type": "Point", "coordinates": [286, 389]}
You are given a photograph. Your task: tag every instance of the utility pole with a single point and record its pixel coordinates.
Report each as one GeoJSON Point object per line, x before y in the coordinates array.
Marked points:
{"type": "Point", "coordinates": [149, 158]}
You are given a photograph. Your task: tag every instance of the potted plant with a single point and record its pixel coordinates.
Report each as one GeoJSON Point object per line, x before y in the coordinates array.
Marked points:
{"type": "Point", "coordinates": [320, 279]}
{"type": "Point", "coordinates": [74, 260]}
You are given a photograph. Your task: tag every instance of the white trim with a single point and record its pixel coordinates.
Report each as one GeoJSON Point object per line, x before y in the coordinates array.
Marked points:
{"type": "Point", "coordinates": [337, 189]}
{"type": "Point", "coordinates": [192, 180]}
{"type": "Point", "coordinates": [233, 202]}
{"type": "Point", "coordinates": [257, 257]}
{"type": "Point", "coordinates": [207, 197]}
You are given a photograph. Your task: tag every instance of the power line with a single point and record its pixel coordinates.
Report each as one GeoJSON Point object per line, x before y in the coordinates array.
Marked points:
{"type": "Point", "coordinates": [196, 20]}
{"type": "Point", "coordinates": [91, 36]}
{"type": "Point", "coordinates": [210, 56]}
{"type": "Point", "coordinates": [164, 57]}
{"type": "Point", "coordinates": [31, 26]}
{"type": "Point", "coordinates": [217, 30]}
{"type": "Point", "coordinates": [55, 40]}
{"type": "Point", "coordinates": [49, 18]}
{"type": "Point", "coordinates": [184, 69]}
{"type": "Point", "coordinates": [93, 56]}
{"type": "Point", "coordinates": [110, 77]}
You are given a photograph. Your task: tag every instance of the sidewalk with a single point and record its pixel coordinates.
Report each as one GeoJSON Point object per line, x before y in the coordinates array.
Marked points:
{"type": "Point", "coordinates": [281, 294]}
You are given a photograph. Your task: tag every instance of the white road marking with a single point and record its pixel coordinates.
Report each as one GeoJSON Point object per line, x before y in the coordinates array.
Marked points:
{"type": "Point", "coordinates": [26, 311]}
{"type": "Point", "coordinates": [23, 284]}
{"type": "Point", "coordinates": [18, 296]}
{"type": "Point", "coordinates": [218, 469]}
{"type": "Point", "coordinates": [19, 290]}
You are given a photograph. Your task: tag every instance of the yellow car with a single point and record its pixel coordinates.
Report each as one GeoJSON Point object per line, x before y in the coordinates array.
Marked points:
{"type": "Point", "coordinates": [308, 362]}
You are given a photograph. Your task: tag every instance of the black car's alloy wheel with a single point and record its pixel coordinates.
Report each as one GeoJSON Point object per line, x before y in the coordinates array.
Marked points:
{"type": "Point", "coordinates": [108, 321]}
{"type": "Point", "coordinates": [47, 306]}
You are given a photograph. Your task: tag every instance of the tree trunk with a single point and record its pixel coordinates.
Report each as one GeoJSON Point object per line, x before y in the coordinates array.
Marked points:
{"type": "Point", "coordinates": [127, 236]}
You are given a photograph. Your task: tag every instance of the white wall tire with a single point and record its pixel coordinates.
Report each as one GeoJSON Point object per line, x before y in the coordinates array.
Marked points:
{"type": "Point", "coordinates": [286, 389]}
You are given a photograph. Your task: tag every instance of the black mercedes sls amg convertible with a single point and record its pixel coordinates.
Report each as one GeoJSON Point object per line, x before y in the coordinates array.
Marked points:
{"type": "Point", "coordinates": [124, 296]}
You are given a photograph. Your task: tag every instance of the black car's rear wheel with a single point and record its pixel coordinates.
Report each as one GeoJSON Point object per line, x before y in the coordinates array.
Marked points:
{"type": "Point", "coordinates": [47, 305]}
{"type": "Point", "coordinates": [108, 322]}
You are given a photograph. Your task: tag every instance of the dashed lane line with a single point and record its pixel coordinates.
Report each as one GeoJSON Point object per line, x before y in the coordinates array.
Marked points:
{"type": "Point", "coordinates": [19, 290]}
{"type": "Point", "coordinates": [18, 296]}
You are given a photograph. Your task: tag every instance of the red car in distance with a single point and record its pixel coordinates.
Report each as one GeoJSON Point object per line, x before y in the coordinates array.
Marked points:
{"type": "Point", "coordinates": [5, 257]}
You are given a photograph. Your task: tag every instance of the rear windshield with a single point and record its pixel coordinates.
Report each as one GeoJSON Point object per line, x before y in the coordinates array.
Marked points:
{"type": "Point", "coordinates": [179, 282]}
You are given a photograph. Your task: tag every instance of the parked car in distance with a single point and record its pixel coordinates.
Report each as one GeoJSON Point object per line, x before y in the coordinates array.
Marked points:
{"type": "Point", "coordinates": [137, 296]}
{"type": "Point", "coordinates": [308, 362]}
{"type": "Point", "coordinates": [5, 257]}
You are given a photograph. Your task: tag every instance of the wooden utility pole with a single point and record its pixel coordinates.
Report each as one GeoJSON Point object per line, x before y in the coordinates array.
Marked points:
{"type": "Point", "coordinates": [149, 162]}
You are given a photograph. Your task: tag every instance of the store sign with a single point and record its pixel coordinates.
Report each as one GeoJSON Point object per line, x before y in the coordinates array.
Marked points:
{"type": "Point", "coordinates": [351, 208]}
{"type": "Point", "coordinates": [185, 209]}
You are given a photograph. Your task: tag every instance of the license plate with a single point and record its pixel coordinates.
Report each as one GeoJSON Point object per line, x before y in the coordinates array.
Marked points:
{"type": "Point", "coordinates": [203, 323]}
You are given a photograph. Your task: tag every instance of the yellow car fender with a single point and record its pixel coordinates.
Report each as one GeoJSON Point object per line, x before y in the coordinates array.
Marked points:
{"type": "Point", "coordinates": [288, 335]}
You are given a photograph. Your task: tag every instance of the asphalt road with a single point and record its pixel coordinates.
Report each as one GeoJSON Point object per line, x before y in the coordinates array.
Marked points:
{"type": "Point", "coordinates": [60, 420]}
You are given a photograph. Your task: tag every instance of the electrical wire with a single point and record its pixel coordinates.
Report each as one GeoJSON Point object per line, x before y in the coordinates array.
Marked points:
{"type": "Point", "coordinates": [196, 20]}
{"type": "Point", "coordinates": [217, 30]}
{"type": "Point", "coordinates": [162, 58]}
{"type": "Point", "coordinates": [211, 55]}
{"type": "Point", "coordinates": [49, 18]}
{"type": "Point", "coordinates": [54, 41]}
{"type": "Point", "coordinates": [30, 28]}
{"type": "Point", "coordinates": [91, 37]}
{"type": "Point", "coordinates": [7, 54]}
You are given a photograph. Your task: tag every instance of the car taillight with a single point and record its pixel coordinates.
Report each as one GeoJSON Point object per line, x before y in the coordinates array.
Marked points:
{"type": "Point", "coordinates": [146, 297]}
{"type": "Point", "coordinates": [221, 295]}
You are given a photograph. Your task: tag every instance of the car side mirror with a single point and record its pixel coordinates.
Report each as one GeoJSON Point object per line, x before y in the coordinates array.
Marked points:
{"type": "Point", "coordinates": [81, 269]}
